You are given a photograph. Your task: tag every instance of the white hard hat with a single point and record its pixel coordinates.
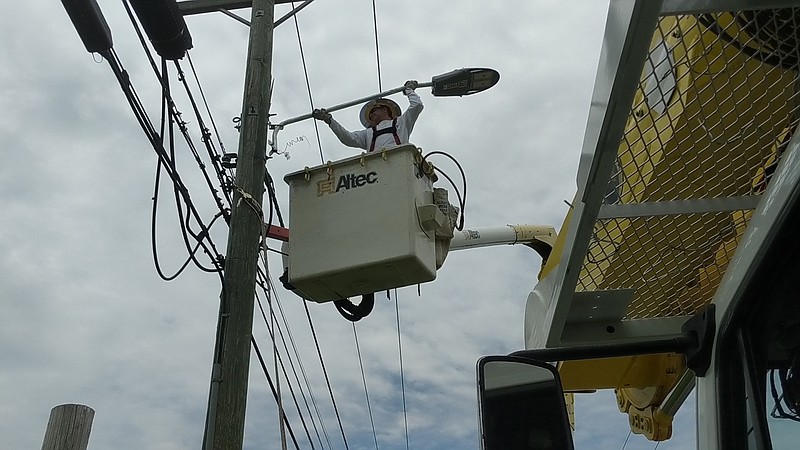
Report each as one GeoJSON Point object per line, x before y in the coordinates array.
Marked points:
{"type": "Point", "coordinates": [370, 105]}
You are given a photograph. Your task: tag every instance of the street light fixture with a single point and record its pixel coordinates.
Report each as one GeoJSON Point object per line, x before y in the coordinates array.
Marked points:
{"type": "Point", "coordinates": [462, 82]}
{"type": "Point", "coordinates": [457, 83]}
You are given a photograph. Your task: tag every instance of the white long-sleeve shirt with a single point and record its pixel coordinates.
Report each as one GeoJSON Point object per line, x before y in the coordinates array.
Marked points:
{"type": "Point", "coordinates": [363, 138]}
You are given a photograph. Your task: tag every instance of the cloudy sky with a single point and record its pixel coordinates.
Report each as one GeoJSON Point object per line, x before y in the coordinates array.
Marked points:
{"type": "Point", "coordinates": [86, 318]}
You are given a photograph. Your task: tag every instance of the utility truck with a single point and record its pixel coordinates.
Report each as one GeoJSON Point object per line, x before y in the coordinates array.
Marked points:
{"type": "Point", "coordinates": [677, 265]}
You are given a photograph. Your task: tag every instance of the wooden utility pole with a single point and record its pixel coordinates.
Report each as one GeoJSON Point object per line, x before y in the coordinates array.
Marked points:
{"type": "Point", "coordinates": [228, 398]}
{"type": "Point", "coordinates": [68, 428]}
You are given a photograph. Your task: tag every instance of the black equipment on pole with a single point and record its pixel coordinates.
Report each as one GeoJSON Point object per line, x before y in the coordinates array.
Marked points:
{"type": "Point", "coordinates": [90, 24]}
{"type": "Point", "coordinates": [164, 25]}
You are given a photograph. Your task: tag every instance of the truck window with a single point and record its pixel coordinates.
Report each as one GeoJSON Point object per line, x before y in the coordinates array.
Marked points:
{"type": "Point", "coordinates": [783, 421]}
{"type": "Point", "coordinates": [771, 375]}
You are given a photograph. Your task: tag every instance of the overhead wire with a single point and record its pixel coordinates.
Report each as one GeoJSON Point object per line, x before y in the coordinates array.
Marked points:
{"type": "Point", "coordinates": [213, 155]}
{"type": "Point", "coordinates": [285, 374]}
{"type": "Point", "coordinates": [154, 213]}
{"type": "Point", "coordinates": [402, 376]}
{"type": "Point", "coordinates": [166, 161]}
{"type": "Point", "coordinates": [275, 392]}
{"type": "Point", "coordinates": [397, 307]}
{"type": "Point", "coordinates": [276, 357]}
{"type": "Point", "coordinates": [325, 373]}
{"type": "Point", "coordinates": [625, 444]}
{"type": "Point", "coordinates": [377, 47]}
{"type": "Point", "coordinates": [366, 391]}
{"type": "Point", "coordinates": [272, 326]}
{"type": "Point", "coordinates": [291, 13]}
{"type": "Point", "coordinates": [265, 281]}
{"type": "Point", "coordinates": [322, 159]}
{"type": "Point", "coordinates": [181, 193]}
{"type": "Point", "coordinates": [228, 177]}
{"type": "Point", "coordinates": [308, 83]}
{"type": "Point", "coordinates": [297, 358]}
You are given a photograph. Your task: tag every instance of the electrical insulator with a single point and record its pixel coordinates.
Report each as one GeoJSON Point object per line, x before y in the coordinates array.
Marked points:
{"type": "Point", "coordinates": [164, 25]}
{"type": "Point", "coordinates": [90, 24]}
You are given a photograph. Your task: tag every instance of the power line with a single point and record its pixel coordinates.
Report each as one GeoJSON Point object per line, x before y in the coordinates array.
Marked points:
{"type": "Point", "coordinates": [325, 372]}
{"type": "Point", "coordinates": [272, 387]}
{"type": "Point", "coordinates": [166, 161]}
{"type": "Point", "coordinates": [400, 351]}
{"type": "Point", "coordinates": [364, 379]}
{"type": "Point", "coordinates": [225, 177]}
{"type": "Point", "coordinates": [377, 50]}
{"type": "Point", "coordinates": [302, 371]}
{"type": "Point", "coordinates": [308, 83]}
{"type": "Point", "coordinates": [283, 366]}
{"type": "Point", "coordinates": [625, 444]}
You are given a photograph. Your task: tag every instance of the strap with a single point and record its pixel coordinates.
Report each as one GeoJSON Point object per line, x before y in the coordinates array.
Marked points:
{"type": "Point", "coordinates": [392, 129]}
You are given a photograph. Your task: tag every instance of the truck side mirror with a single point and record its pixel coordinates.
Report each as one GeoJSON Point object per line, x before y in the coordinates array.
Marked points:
{"type": "Point", "coordinates": [521, 405]}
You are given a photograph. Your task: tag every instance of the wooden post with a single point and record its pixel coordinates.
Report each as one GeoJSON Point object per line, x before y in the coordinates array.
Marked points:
{"type": "Point", "coordinates": [68, 428]}
{"type": "Point", "coordinates": [228, 400]}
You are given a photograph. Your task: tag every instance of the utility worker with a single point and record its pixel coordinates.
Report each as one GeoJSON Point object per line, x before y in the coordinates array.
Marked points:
{"type": "Point", "coordinates": [385, 126]}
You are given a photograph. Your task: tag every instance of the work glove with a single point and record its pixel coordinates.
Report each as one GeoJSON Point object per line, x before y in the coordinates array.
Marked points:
{"type": "Point", "coordinates": [322, 114]}
{"type": "Point", "coordinates": [410, 85]}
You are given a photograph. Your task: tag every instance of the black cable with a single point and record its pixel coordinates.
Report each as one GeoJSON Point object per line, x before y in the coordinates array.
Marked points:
{"type": "Point", "coordinates": [377, 48]}
{"type": "Point", "coordinates": [283, 367]}
{"type": "Point", "coordinates": [353, 312]}
{"type": "Point", "coordinates": [273, 197]}
{"type": "Point", "coordinates": [400, 352]}
{"type": "Point", "coordinates": [272, 387]}
{"type": "Point", "coordinates": [308, 83]}
{"type": "Point", "coordinates": [325, 372]}
{"type": "Point", "coordinates": [225, 177]}
{"type": "Point", "coordinates": [364, 380]}
{"type": "Point", "coordinates": [178, 197]}
{"type": "Point", "coordinates": [261, 283]}
{"type": "Point", "coordinates": [164, 88]}
{"type": "Point", "coordinates": [153, 215]}
{"type": "Point", "coordinates": [462, 201]}
{"type": "Point", "coordinates": [155, 141]}
{"type": "Point", "coordinates": [213, 156]}
{"type": "Point", "coordinates": [182, 196]}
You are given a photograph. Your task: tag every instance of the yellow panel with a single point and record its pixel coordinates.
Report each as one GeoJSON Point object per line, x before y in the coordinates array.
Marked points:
{"type": "Point", "coordinates": [625, 372]}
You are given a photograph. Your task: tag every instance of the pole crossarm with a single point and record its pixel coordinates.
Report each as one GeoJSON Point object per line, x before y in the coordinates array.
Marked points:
{"type": "Point", "coordinates": [189, 7]}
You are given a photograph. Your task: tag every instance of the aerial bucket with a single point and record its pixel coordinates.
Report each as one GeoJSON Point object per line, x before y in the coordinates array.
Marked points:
{"type": "Point", "coordinates": [363, 224]}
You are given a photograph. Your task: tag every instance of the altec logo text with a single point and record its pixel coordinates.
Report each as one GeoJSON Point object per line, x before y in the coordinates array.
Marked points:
{"type": "Point", "coordinates": [345, 182]}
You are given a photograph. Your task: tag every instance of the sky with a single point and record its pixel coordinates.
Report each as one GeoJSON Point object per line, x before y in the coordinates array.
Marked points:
{"type": "Point", "coordinates": [86, 318]}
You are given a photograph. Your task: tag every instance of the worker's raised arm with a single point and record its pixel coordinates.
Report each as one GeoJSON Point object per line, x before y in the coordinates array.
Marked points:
{"type": "Point", "coordinates": [349, 138]}
{"type": "Point", "coordinates": [357, 139]}
{"type": "Point", "coordinates": [414, 106]}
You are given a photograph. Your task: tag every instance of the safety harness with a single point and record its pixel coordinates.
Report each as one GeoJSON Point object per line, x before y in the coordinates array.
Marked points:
{"type": "Point", "coordinates": [392, 129]}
